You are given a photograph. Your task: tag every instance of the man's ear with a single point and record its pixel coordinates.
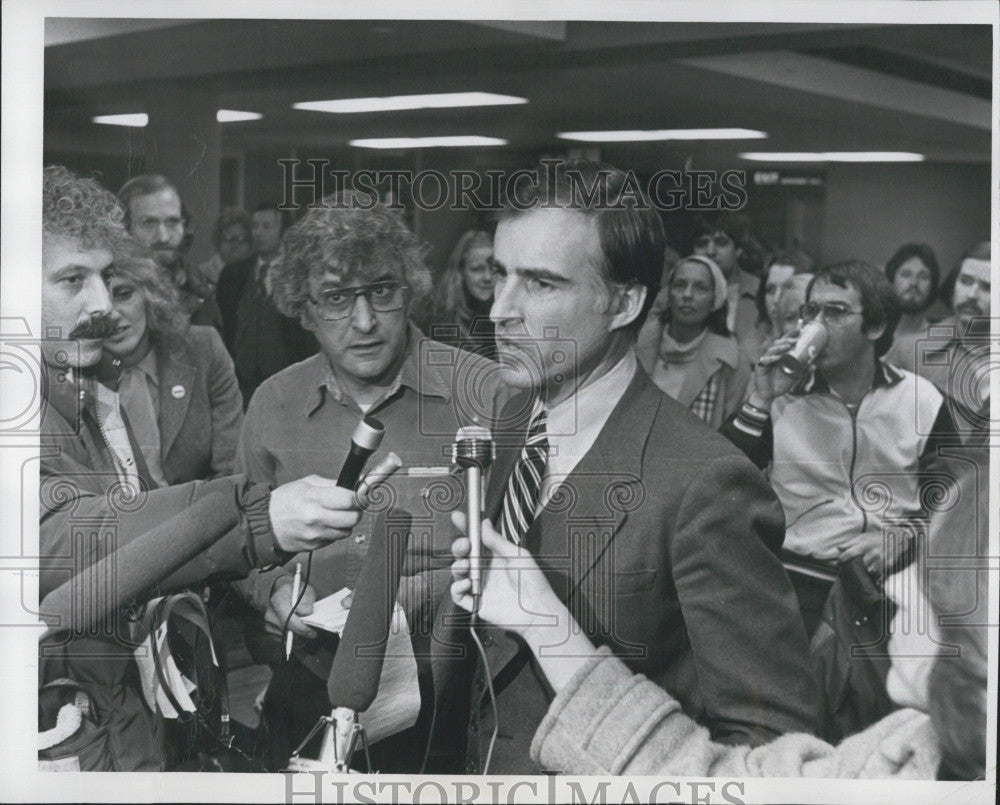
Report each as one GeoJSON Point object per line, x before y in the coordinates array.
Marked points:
{"type": "Point", "coordinates": [874, 333]}
{"type": "Point", "coordinates": [306, 319]}
{"type": "Point", "coordinates": [628, 301]}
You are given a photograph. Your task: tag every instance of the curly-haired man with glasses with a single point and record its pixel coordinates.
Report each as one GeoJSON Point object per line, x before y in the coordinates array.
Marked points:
{"type": "Point", "coordinates": [349, 276]}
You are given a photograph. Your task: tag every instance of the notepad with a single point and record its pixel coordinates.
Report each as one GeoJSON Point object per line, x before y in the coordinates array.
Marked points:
{"type": "Point", "coordinates": [397, 703]}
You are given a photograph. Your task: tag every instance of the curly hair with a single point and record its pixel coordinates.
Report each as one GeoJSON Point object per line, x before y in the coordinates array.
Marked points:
{"type": "Point", "coordinates": [357, 244]}
{"type": "Point", "coordinates": [81, 210]}
{"type": "Point", "coordinates": [165, 317]}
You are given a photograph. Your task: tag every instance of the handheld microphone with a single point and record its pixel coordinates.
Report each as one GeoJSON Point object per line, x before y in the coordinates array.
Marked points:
{"type": "Point", "coordinates": [357, 666]}
{"type": "Point", "coordinates": [365, 441]}
{"type": "Point", "coordinates": [474, 451]}
{"type": "Point", "coordinates": [131, 570]}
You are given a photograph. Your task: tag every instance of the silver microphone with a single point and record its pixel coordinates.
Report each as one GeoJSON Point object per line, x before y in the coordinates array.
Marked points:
{"type": "Point", "coordinates": [473, 451]}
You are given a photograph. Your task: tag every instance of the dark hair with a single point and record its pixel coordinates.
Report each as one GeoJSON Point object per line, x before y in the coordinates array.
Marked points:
{"type": "Point", "coordinates": [735, 225]}
{"type": "Point", "coordinates": [922, 252]}
{"type": "Point", "coordinates": [354, 241]}
{"type": "Point", "coordinates": [879, 305]}
{"type": "Point", "coordinates": [81, 210]}
{"type": "Point", "coordinates": [231, 216]}
{"type": "Point", "coordinates": [284, 217]}
{"type": "Point", "coordinates": [632, 237]}
{"type": "Point", "coordinates": [981, 250]}
{"type": "Point", "coordinates": [797, 259]}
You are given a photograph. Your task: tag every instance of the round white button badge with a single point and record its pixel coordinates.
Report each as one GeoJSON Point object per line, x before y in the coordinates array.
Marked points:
{"type": "Point", "coordinates": [178, 392]}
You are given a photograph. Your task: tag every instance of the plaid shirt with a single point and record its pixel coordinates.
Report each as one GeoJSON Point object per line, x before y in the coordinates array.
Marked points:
{"type": "Point", "coordinates": [703, 406]}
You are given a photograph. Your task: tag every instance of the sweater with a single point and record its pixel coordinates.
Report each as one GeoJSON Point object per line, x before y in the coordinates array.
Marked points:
{"type": "Point", "coordinates": [608, 720]}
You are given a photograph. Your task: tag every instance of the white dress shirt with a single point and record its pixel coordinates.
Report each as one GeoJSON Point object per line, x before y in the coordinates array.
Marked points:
{"type": "Point", "coordinates": [574, 424]}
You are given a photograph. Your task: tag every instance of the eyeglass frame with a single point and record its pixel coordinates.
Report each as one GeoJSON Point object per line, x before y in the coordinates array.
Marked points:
{"type": "Point", "coordinates": [362, 290]}
{"type": "Point", "coordinates": [150, 224]}
{"type": "Point", "coordinates": [838, 313]}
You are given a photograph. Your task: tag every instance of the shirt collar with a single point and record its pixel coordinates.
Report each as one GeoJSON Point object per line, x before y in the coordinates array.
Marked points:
{"type": "Point", "coordinates": [593, 401]}
{"type": "Point", "coordinates": [429, 379]}
{"type": "Point", "coordinates": [885, 375]}
{"type": "Point", "coordinates": [149, 367]}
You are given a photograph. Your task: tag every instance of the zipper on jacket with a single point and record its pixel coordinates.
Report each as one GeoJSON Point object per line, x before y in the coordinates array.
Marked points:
{"type": "Point", "coordinates": [854, 455]}
{"type": "Point", "coordinates": [107, 441]}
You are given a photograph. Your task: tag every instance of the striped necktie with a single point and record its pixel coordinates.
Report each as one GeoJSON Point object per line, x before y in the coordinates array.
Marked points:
{"type": "Point", "coordinates": [525, 483]}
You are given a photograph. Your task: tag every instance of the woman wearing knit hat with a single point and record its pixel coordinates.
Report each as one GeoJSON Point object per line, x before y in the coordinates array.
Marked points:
{"type": "Point", "coordinates": [688, 350]}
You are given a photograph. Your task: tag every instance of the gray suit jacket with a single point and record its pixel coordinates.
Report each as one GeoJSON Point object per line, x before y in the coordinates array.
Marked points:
{"type": "Point", "coordinates": [201, 409]}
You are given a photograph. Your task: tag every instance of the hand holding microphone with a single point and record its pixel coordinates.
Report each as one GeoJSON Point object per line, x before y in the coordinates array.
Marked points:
{"type": "Point", "coordinates": [473, 451]}
{"type": "Point", "coordinates": [312, 512]}
{"type": "Point", "coordinates": [315, 511]}
{"type": "Point", "coordinates": [516, 595]}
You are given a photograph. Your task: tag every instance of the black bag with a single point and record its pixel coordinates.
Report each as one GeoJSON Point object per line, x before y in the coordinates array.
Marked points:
{"type": "Point", "coordinates": [203, 740]}
{"type": "Point", "coordinates": [849, 654]}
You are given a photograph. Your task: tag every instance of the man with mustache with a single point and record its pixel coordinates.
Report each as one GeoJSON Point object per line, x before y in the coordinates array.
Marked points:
{"type": "Point", "coordinates": [914, 274]}
{"type": "Point", "coordinates": [96, 490]}
{"type": "Point", "coordinates": [651, 528]}
{"type": "Point", "coordinates": [956, 354]}
{"type": "Point", "coordinates": [157, 219]}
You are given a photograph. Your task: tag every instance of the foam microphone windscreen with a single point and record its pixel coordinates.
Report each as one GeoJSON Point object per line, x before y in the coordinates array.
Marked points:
{"type": "Point", "coordinates": [145, 562]}
{"type": "Point", "coordinates": [357, 665]}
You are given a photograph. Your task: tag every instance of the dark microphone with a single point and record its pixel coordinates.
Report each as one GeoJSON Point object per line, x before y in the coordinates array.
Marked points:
{"type": "Point", "coordinates": [129, 572]}
{"type": "Point", "coordinates": [365, 441]}
{"type": "Point", "coordinates": [473, 451]}
{"type": "Point", "coordinates": [357, 665]}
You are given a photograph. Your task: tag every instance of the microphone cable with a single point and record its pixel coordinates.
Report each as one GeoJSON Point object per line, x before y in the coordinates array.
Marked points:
{"type": "Point", "coordinates": [493, 699]}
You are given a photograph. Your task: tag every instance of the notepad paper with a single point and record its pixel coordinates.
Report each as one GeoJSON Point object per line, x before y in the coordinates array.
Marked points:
{"type": "Point", "coordinates": [397, 703]}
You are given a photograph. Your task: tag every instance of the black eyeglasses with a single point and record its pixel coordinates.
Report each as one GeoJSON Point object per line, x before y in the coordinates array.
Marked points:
{"type": "Point", "coordinates": [338, 303]}
{"type": "Point", "coordinates": [832, 312]}
{"type": "Point", "coordinates": [720, 240]}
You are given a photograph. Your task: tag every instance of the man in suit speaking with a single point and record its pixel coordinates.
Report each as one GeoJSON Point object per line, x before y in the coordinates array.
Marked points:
{"type": "Point", "coordinates": [656, 533]}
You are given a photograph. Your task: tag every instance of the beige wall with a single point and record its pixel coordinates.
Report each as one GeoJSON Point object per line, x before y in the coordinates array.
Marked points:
{"type": "Point", "coordinates": [870, 211]}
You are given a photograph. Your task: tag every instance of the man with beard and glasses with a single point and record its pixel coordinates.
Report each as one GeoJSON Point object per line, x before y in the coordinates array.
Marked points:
{"type": "Point", "coordinates": [914, 274]}
{"type": "Point", "coordinates": [956, 354]}
{"type": "Point", "coordinates": [97, 495]}
{"type": "Point", "coordinates": [157, 219]}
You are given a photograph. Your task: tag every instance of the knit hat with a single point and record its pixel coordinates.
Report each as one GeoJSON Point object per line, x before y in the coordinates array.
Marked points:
{"type": "Point", "coordinates": [718, 278]}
